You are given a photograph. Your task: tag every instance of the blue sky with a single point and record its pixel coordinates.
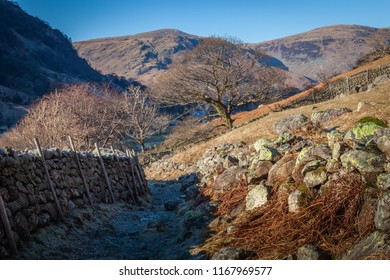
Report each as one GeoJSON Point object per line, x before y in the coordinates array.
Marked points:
{"type": "Point", "coordinates": [249, 20]}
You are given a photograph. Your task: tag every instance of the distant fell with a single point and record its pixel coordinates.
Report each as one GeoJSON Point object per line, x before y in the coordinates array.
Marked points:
{"type": "Point", "coordinates": [142, 56]}
{"type": "Point", "coordinates": [320, 52]}
{"type": "Point", "coordinates": [146, 55]}
{"type": "Point", "coordinates": [327, 50]}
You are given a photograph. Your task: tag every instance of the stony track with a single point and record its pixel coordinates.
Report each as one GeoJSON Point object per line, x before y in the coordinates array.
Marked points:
{"type": "Point", "coordinates": [119, 231]}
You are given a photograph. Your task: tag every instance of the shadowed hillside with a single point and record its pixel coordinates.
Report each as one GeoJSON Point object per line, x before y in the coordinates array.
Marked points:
{"type": "Point", "coordinates": [34, 59]}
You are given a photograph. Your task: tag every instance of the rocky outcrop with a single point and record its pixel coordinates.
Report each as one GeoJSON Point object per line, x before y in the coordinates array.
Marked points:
{"type": "Point", "coordinates": [291, 123]}
{"type": "Point", "coordinates": [324, 116]}
{"type": "Point", "coordinates": [313, 173]}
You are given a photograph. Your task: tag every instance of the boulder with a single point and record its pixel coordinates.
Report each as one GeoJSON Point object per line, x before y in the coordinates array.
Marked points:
{"type": "Point", "coordinates": [285, 138]}
{"type": "Point", "coordinates": [382, 140]}
{"type": "Point", "coordinates": [296, 200]}
{"type": "Point", "coordinates": [368, 164]}
{"type": "Point", "coordinates": [335, 136]}
{"type": "Point", "coordinates": [257, 197]}
{"type": "Point", "coordinates": [363, 132]}
{"type": "Point", "coordinates": [281, 171]}
{"type": "Point", "coordinates": [382, 214]}
{"type": "Point", "coordinates": [308, 154]}
{"type": "Point", "coordinates": [259, 171]}
{"type": "Point", "coordinates": [326, 115]}
{"type": "Point", "coordinates": [228, 179]}
{"type": "Point", "coordinates": [363, 106]}
{"type": "Point", "coordinates": [383, 182]}
{"type": "Point", "coordinates": [187, 180]}
{"type": "Point", "coordinates": [263, 142]}
{"type": "Point", "coordinates": [312, 165]}
{"type": "Point", "coordinates": [338, 149]}
{"type": "Point", "coordinates": [316, 177]}
{"type": "Point", "coordinates": [311, 153]}
{"type": "Point", "coordinates": [376, 242]}
{"type": "Point", "coordinates": [311, 252]}
{"type": "Point", "coordinates": [333, 166]}
{"type": "Point", "coordinates": [267, 153]}
{"type": "Point", "coordinates": [230, 253]}
{"type": "Point", "coordinates": [291, 123]}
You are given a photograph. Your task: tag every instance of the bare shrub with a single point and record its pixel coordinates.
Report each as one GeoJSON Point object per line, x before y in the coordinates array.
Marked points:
{"type": "Point", "coordinates": [141, 119]}
{"type": "Point", "coordinates": [75, 110]}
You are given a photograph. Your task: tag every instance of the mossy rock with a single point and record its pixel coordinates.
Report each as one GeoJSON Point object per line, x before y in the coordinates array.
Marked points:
{"type": "Point", "coordinates": [267, 153]}
{"type": "Point", "coordinates": [298, 199]}
{"type": "Point", "coordinates": [335, 136]}
{"type": "Point", "coordinates": [316, 177]}
{"type": "Point", "coordinates": [373, 120]}
{"type": "Point", "coordinates": [284, 137]}
{"type": "Point", "coordinates": [263, 142]}
{"type": "Point", "coordinates": [364, 162]}
{"type": "Point", "coordinates": [383, 181]}
{"type": "Point", "coordinates": [363, 132]}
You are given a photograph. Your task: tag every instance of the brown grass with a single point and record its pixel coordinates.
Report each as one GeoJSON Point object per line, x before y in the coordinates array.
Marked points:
{"type": "Point", "coordinates": [232, 198]}
{"type": "Point", "coordinates": [249, 133]}
{"type": "Point", "coordinates": [329, 222]}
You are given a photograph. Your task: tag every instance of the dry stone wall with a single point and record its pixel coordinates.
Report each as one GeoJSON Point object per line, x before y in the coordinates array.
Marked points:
{"type": "Point", "coordinates": [29, 202]}
{"type": "Point", "coordinates": [354, 83]}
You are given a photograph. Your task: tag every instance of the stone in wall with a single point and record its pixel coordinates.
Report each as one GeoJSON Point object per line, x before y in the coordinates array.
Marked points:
{"type": "Point", "coordinates": [29, 202]}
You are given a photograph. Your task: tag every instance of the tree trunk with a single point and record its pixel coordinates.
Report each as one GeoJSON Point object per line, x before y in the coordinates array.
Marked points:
{"type": "Point", "coordinates": [225, 114]}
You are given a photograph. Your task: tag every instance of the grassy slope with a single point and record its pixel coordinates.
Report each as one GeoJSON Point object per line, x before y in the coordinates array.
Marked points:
{"type": "Point", "coordinates": [379, 97]}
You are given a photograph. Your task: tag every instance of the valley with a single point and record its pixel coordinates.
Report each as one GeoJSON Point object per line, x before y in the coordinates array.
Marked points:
{"type": "Point", "coordinates": [165, 145]}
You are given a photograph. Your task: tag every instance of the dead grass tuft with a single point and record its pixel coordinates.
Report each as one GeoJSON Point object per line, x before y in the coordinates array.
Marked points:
{"type": "Point", "coordinates": [329, 222]}
{"type": "Point", "coordinates": [232, 198]}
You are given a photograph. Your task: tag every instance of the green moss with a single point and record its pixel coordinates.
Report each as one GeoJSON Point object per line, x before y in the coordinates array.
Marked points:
{"type": "Point", "coordinates": [365, 131]}
{"type": "Point", "coordinates": [372, 120]}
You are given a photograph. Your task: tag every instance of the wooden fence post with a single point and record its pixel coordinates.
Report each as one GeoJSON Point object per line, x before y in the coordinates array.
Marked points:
{"type": "Point", "coordinates": [135, 173]}
{"type": "Point", "coordinates": [105, 173]}
{"type": "Point", "coordinates": [144, 188]}
{"type": "Point", "coordinates": [50, 183]}
{"type": "Point", "coordinates": [125, 176]}
{"type": "Point", "coordinates": [7, 227]}
{"type": "Point", "coordinates": [135, 184]}
{"type": "Point", "coordinates": [145, 182]}
{"type": "Point", "coordinates": [80, 169]}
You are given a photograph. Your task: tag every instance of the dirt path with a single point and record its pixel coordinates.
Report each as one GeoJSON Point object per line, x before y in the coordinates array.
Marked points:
{"type": "Point", "coordinates": [117, 232]}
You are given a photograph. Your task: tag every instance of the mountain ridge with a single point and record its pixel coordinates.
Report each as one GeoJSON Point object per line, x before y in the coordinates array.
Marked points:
{"type": "Point", "coordinates": [321, 48]}
{"type": "Point", "coordinates": [325, 51]}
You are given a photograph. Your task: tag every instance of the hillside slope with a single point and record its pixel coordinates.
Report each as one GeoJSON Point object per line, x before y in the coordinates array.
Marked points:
{"type": "Point", "coordinates": [141, 56]}
{"type": "Point", "coordinates": [34, 59]}
{"type": "Point", "coordinates": [328, 50]}
{"type": "Point", "coordinates": [146, 55]}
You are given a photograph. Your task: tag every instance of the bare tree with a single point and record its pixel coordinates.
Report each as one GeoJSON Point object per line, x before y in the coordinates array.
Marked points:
{"type": "Point", "coordinates": [85, 112]}
{"type": "Point", "coordinates": [142, 119]}
{"type": "Point", "coordinates": [220, 73]}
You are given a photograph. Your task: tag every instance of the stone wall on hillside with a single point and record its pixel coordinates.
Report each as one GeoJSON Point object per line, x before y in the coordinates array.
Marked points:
{"type": "Point", "coordinates": [30, 204]}
{"type": "Point", "coordinates": [341, 87]}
